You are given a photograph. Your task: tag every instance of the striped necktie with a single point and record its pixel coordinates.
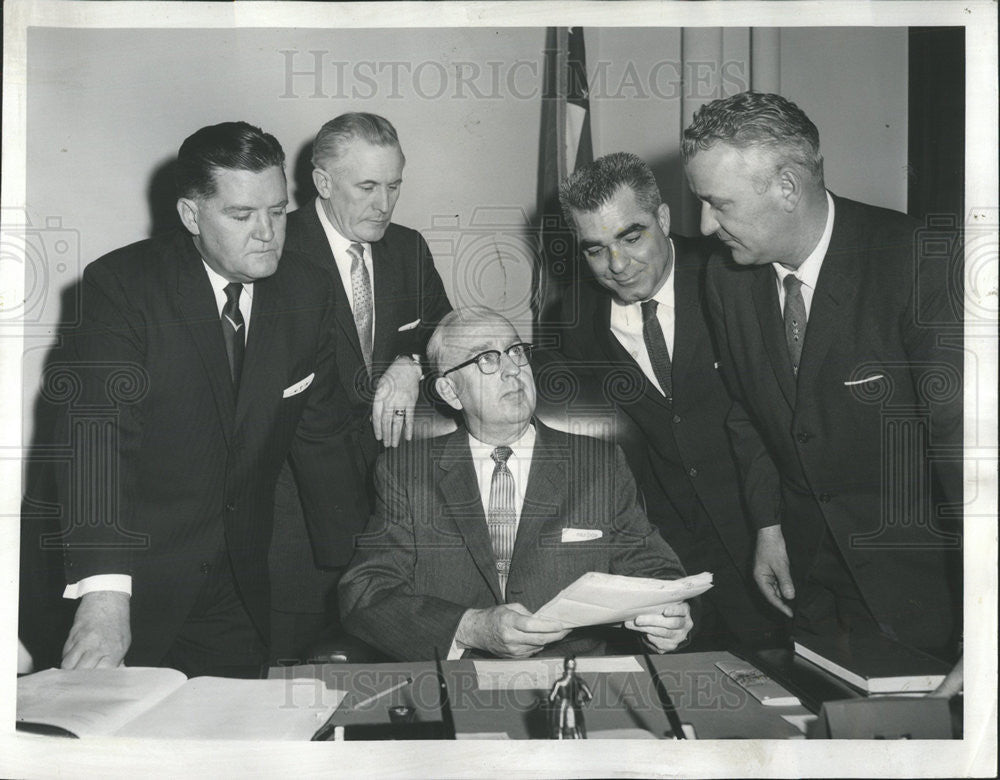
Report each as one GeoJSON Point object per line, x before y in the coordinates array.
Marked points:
{"type": "Point", "coordinates": [501, 519]}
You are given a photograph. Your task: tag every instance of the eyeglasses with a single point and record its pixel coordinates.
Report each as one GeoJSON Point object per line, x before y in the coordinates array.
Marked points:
{"type": "Point", "coordinates": [489, 361]}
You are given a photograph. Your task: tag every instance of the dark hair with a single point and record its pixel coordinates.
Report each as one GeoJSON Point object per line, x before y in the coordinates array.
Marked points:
{"type": "Point", "coordinates": [237, 146]}
{"type": "Point", "coordinates": [336, 134]}
{"type": "Point", "coordinates": [757, 119]}
{"type": "Point", "coordinates": [596, 183]}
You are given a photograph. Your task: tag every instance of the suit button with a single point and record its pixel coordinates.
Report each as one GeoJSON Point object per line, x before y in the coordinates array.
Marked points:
{"type": "Point", "coordinates": [825, 497]}
{"type": "Point", "coordinates": [677, 418]}
{"type": "Point", "coordinates": [205, 568]}
{"type": "Point", "coordinates": [803, 437]}
{"type": "Point", "coordinates": [231, 506]}
{"type": "Point", "coordinates": [692, 472]}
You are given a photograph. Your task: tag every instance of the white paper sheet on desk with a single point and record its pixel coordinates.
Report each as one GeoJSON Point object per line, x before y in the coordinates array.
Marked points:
{"type": "Point", "coordinates": [541, 673]}
{"type": "Point", "coordinates": [596, 598]}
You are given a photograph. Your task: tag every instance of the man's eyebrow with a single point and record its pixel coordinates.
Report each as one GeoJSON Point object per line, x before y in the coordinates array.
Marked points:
{"type": "Point", "coordinates": [230, 209]}
{"type": "Point", "coordinates": [633, 228]}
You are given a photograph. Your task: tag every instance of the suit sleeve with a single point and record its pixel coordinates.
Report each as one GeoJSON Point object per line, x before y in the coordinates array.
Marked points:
{"type": "Point", "coordinates": [759, 476]}
{"type": "Point", "coordinates": [107, 370]}
{"type": "Point", "coordinates": [434, 303]}
{"type": "Point", "coordinates": [378, 602]}
{"type": "Point", "coordinates": [334, 509]}
{"type": "Point", "coordinates": [639, 549]}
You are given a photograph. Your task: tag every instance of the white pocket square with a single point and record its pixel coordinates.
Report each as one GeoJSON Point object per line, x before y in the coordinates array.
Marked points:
{"type": "Point", "coordinates": [298, 387]}
{"type": "Point", "coordinates": [866, 379]}
{"type": "Point", "coordinates": [408, 326]}
{"type": "Point", "coordinates": [581, 534]}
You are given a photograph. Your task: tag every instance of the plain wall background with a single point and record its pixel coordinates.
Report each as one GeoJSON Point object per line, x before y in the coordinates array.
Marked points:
{"type": "Point", "coordinates": [107, 110]}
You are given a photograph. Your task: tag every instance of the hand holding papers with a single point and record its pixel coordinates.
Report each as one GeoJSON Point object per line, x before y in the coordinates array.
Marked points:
{"type": "Point", "coordinates": [597, 598]}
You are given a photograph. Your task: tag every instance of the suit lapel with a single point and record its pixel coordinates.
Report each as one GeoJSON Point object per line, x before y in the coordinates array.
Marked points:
{"type": "Point", "coordinates": [765, 298]}
{"type": "Point", "coordinates": [835, 289]}
{"type": "Point", "coordinates": [388, 290]}
{"type": "Point", "coordinates": [317, 245]}
{"type": "Point", "coordinates": [268, 306]}
{"type": "Point", "coordinates": [200, 313]}
{"type": "Point", "coordinates": [688, 331]}
{"type": "Point", "coordinates": [546, 482]}
{"type": "Point", "coordinates": [460, 489]}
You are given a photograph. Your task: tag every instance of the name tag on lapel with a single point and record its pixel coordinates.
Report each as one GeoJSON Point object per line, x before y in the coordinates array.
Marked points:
{"type": "Point", "coordinates": [298, 387]}
{"type": "Point", "coordinates": [408, 326]}
{"type": "Point", "coordinates": [581, 534]}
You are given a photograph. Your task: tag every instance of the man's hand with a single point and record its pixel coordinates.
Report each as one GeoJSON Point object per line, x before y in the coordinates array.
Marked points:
{"type": "Point", "coordinates": [395, 398]}
{"type": "Point", "coordinates": [666, 630]}
{"type": "Point", "coordinates": [100, 635]}
{"type": "Point", "coordinates": [507, 631]}
{"type": "Point", "coordinates": [771, 571]}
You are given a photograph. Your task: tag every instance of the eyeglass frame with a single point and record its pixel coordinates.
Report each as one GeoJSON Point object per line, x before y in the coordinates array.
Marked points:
{"type": "Point", "coordinates": [499, 353]}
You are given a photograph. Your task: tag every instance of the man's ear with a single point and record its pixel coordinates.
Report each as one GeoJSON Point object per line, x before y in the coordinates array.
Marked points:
{"type": "Point", "coordinates": [446, 389]}
{"type": "Point", "coordinates": [790, 186]}
{"type": "Point", "coordinates": [187, 210]}
{"type": "Point", "coordinates": [321, 181]}
{"type": "Point", "coordinates": [663, 218]}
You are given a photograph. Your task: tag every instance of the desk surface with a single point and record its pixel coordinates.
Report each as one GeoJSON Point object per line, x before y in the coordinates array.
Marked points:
{"type": "Point", "coordinates": [624, 704]}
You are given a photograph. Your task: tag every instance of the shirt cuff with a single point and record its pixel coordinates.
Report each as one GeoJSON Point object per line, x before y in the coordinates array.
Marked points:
{"type": "Point", "coordinates": [456, 651]}
{"type": "Point", "coordinates": [117, 582]}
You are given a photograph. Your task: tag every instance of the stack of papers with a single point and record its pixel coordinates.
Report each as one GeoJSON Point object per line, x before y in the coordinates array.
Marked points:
{"type": "Point", "coordinates": [597, 598]}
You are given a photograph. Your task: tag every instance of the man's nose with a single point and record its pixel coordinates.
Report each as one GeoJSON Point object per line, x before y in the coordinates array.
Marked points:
{"type": "Point", "coordinates": [382, 201]}
{"type": "Point", "coordinates": [709, 224]}
{"type": "Point", "coordinates": [507, 365]}
{"type": "Point", "coordinates": [265, 229]}
{"type": "Point", "coordinates": [618, 261]}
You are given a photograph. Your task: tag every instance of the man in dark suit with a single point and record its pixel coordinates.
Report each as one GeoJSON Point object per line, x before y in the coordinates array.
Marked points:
{"type": "Point", "coordinates": [476, 530]}
{"type": "Point", "coordinates": [640, 345]}
{"type": "Point", "coordinates": [205, 362]}
{"type": "Point", "coordinates": [841, 345]}
{"type": "Point", "coordinates": [389, 297]}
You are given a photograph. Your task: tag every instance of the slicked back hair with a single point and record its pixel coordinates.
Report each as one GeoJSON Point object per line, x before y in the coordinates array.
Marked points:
{"type": "Point", "coordinates": [596, 183]}
{"type": "Point", "coordinates": [334, 137]}
{"type": "Point", "coordinates": [758, 120]}
{"type": "Point", "coordinates": [235, 146]}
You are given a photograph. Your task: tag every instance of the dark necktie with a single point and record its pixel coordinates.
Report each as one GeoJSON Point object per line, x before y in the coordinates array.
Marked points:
{"type": "Point", "coordinates": [656, 347]}
{"type": "Point", "coordinates": [361, 290]}
{"type": "Point", "coordinates": [501, 518]}
{"type": "Point", "coordinates": [795, 319]}
{"type": "Point", "coordinates": [233, 331]}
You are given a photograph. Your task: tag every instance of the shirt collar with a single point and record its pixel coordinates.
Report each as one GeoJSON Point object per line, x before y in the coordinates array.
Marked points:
{"type": "Point", "coordinates": [219, 282]}
{"type": "Point", "coordinates": [523, 447]}
{"type": "Point", "coordinates": [338, 243]}
{"type": "Point", "coordinates": [808, 272]}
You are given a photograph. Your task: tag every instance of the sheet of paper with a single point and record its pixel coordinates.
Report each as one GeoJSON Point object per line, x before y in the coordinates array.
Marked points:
{"type": "Point", "coordinates": [93, 702]}
{"type": "Point", "coordinates": [541, 673]}
{"type": "Point", "coordinates": [221, 708]}
{"type": "Point", "coordinates": [596, 598]}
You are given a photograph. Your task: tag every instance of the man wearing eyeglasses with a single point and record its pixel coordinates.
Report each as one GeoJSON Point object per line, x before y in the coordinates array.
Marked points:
{"type": "Point", "coordinates": [474, 531]}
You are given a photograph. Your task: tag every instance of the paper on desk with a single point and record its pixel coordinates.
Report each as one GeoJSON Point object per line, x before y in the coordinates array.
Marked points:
{"type": "Point", "coordinates": [223, 708]}
{"type": "Point", "coordinates": [596, 598]}
{"type": "Point", "coordinates": [541, 673]}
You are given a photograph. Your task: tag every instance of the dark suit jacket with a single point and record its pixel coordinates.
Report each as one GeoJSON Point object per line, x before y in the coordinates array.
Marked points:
{"type": "Point", "coordinates": [844, 449]}
{"type": "Point", "coordinates": [427, 556]}
{"type": "Point", "coordinates": [175, 464]}
{"type": "Point", "coordinates": [407, 289]}
{"type": "Point", "coordinates": [680, 453]}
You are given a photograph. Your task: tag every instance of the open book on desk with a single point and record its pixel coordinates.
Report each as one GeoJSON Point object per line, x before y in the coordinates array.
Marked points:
{"type": "Point", "coordinates": [596, 598]}
{"type": "Point", "coordinates": [150, 702]}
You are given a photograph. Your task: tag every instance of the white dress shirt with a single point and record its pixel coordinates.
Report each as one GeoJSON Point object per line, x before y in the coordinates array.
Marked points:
{"type": "Point", "coordinates": [339, 246]}
{"type": "Point", "coordinates": [123, 582]}
{"type": "Point", "coordinates": [519, 464]}
{"type": "Point", "coordinates": [626, 324]}
{"type": "Point", "coordinates": [808, 272]}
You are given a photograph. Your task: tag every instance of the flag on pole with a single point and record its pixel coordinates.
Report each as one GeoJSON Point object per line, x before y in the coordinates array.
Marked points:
{"type": "Point", "coordinates": [565, 145]}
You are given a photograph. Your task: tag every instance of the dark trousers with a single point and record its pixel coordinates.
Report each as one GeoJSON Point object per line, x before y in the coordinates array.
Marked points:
{"type": "Point", "coordinates": [733, 612]}
{"type": "Point", "coordinates": [829, 603]}
{"type": "Point", "coordinates": [218, 637]}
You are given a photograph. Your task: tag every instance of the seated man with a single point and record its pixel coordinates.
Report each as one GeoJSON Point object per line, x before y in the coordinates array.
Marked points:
{"type": "Point", "coordinates": [476, 530]}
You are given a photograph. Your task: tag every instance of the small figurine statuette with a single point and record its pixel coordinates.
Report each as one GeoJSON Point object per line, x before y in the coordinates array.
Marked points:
{"type": "Point", "coordinates": [566, 700]}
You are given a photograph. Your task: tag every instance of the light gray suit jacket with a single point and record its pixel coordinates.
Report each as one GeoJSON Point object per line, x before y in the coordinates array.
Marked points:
{"type": "Point", "coordinates": [426, 556]}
